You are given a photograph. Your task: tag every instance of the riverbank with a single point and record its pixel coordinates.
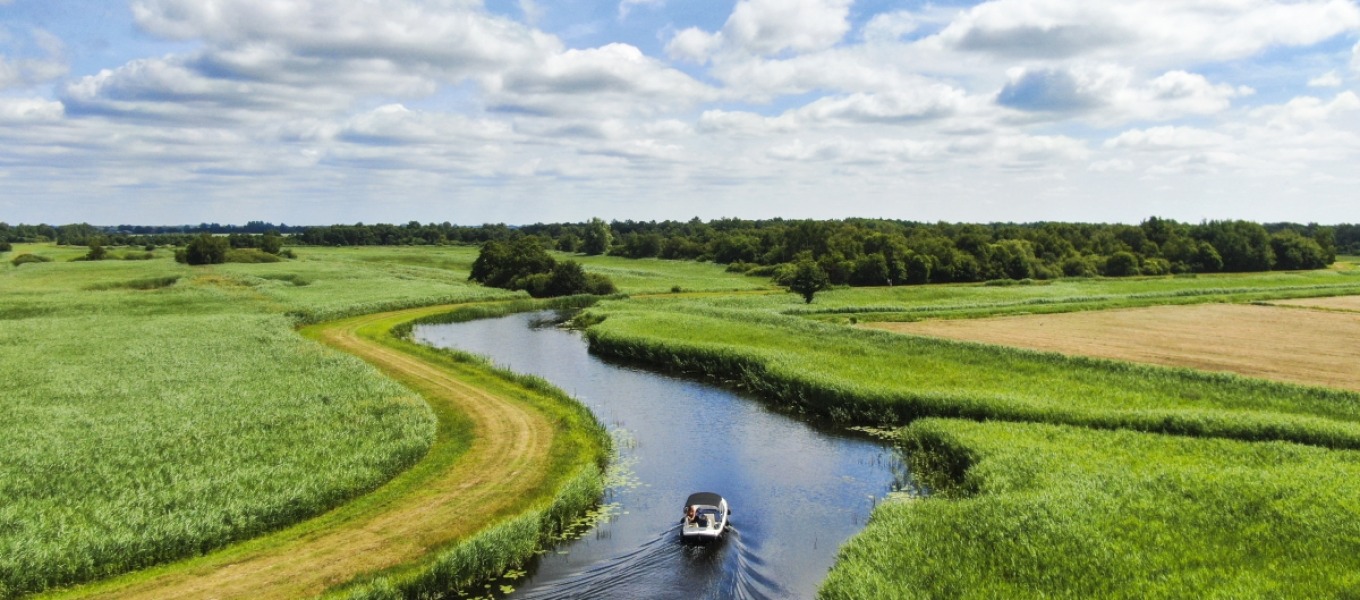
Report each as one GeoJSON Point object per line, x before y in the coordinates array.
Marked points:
{"type": "Point", "coordinates": [510, 463]}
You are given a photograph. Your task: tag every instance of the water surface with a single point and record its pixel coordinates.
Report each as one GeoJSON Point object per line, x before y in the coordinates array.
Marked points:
{"type": "Point", "coordinates": [797, 491]}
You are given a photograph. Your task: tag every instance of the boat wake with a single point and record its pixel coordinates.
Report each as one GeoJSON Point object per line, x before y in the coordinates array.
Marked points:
{"type": "Point", "coordinates": [663, 567]}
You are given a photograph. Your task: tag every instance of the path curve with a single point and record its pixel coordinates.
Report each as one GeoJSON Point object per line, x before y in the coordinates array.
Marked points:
{"type": "Point", "coordinates": [508, 456]}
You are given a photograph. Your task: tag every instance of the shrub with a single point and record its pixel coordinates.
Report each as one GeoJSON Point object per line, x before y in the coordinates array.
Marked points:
{"type": "Point", "coordinates": [251, 255]}
{"type": "Point", "coordinates": [24, 259]}
{"type": "Point", "coordinates": [204, 250]}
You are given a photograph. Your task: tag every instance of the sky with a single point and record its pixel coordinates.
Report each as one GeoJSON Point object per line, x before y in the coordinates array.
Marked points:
{"type": "Point", "coordinates": [311, 112]}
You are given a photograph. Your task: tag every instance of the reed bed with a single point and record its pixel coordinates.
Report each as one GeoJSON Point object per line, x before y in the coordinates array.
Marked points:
{"type": "Point", "coordinates": [1042, 511]}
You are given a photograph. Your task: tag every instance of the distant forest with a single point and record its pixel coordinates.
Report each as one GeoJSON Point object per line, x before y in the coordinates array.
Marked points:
{"type": "Point", "coordinates": [850, 251]}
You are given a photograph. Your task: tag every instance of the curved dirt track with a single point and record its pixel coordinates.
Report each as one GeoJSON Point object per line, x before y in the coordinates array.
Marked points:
{"type": "Point", "coordinates": [508, 456]}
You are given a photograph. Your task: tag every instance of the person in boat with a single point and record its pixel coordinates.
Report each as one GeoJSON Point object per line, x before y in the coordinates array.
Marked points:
{"type": "Point", "coordinates": [690, 514]}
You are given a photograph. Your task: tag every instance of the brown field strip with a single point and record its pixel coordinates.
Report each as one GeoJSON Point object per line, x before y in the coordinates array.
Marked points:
{"type": "Point", "coordinates": [1313, 347]}
{"type": "Point", "coordinates": [508, 457]}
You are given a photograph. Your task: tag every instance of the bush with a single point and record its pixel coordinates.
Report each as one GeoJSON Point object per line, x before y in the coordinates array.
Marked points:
{"type": "Point", "coordinates": [5, 246]}
{"type": "Point", "coordinates": [204, 250]}
{"type": "Point", "coordinates": [24, 259]}
{"type": "Point", "coordinates": [251, 255]}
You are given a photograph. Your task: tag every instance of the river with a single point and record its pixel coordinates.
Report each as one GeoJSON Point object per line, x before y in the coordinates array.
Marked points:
{"type": "Point", "coordinates": [797, 490]}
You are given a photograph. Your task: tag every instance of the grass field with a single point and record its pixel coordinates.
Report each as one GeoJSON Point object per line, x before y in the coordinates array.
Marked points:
{"type": "Point", "coordinates": [870, 377]}
{"type": "Point", "coordinates": [645, 276]}
{"type": "Point", "coordinates": [1037, 507]}
{"type": "Point", "coordinates": [1039, 511]}
{"type": "Point", "coordinates": [154, 411]}
{"type": "Point", "coordinates": [1301, 345]}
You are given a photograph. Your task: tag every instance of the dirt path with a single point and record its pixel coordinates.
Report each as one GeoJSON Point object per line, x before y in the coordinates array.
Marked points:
{"type": "Point", "coordinates": [508, 456]}
{"type": "Point", "coordinates": [1312, 347]}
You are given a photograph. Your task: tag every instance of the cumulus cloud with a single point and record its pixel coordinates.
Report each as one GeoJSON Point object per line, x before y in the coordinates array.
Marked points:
{"type": "Point", "coordinates": [767, 27]}
{"type": "Point", "coordinates": [29, 110]}
{"type": "Point", "coordinates": [1164, 138]}
{"type": "Point", "coordinates": [887, 107]}
{"type": "Point", "coordinates": [890, 26]}
{"type": "Point", "coordinates": [1355, 58]}
{"type": "Point", "coordinates": [1328, 79]}
{"type": "Point", "coordinates": [1147, 30]}
{"type": "Point", "coordinates": [617, 79]}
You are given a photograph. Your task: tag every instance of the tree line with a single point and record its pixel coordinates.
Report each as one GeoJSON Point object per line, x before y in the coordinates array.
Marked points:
{"type": "Point", "coordinates": [849, 251]}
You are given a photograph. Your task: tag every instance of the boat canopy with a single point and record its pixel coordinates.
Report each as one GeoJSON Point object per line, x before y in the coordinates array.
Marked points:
{"type": "Point", "coordinates": [704, 498]}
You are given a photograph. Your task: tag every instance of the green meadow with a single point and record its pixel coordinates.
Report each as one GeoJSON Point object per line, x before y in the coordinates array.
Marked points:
{"type": "Point", "coordinates": [155, 411]}
{"type": "Point", "coordinates": [1043, 511]}
{"type": "Point", "coordinates": [1050, 476]}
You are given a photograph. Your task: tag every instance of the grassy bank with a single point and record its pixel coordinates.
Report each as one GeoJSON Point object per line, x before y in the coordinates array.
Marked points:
{"type": "Point", "coordinates": [541, 516]}
{"type": "Point", "coordinates": [1038, 511]}
{"type": "Point", "coordinates": [865, 377]}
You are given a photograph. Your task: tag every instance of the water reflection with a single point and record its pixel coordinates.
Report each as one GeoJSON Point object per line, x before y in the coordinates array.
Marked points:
{"type": "Point", "coordinates": [796, 491]}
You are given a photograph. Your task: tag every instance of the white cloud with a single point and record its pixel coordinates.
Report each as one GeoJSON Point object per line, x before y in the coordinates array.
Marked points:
{"type": "Point", "coordinates": [29, 110]}
{"type": "Point", "coordinates": [693, 44]}
{"type": "Point", "coordinates": [1164, 138]}
{"type": "Point", "coordinates": [28, 71]}
{"type": "Point", "coordinates": [1328, 79]}
{"type": "Point", "coordinates": [1307, 111]}
{"type": "Point", "coordinates": [618, 79]}
{"type": "Point", "coordinates": [767, 27]}
{"type": "Point", "coordinates": [452, 37]}
{"type": "Point", "coordinates": [887, 107]}
{"type": "Point", "coordinates": [890, 26]}
{"type": "Point", "coordinates": [626, 6]}
{"type": "Point", "coordinates": [1355, 58]}
{"type": "Point", "coordinates": [1147, 31]}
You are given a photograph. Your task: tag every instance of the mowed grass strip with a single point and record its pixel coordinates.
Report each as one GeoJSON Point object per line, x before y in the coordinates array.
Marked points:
{"type": "Point", "coordinates": [873, 377]}
{"type": "Point", "coordinates": [1271, 342]}
{"type": "Point", "coordinates": [1040, 511]}
{"type": "Point", "coordinates": [502, 449]}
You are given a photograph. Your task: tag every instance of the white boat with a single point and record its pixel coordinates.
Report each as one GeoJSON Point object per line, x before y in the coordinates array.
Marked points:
{"type": "Point", "coordinates": [709, 519]}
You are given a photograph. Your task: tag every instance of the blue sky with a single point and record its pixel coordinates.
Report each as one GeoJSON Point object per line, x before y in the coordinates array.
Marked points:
{"type": "Point", "coordinates": [517, 111]}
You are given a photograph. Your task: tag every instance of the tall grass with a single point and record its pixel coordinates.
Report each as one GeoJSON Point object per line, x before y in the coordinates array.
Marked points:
{"type": "Point", "coordinates": [151, 411]}
{"type": "Point", "coordinates": [867, 377]}
{"type": "Point", "coordinates": [134, 441]}
{"type": "Point", "coordinates": [1039, 511]}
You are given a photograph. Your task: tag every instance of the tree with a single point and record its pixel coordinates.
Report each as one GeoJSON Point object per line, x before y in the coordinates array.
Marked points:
{"type": "Point", "coordinates": [596, 238]}
{"type": "Point", "coordinates": [97, 251]}
{"type": "Point", "coordinates": [271, 242]}
{"type": "Point", "coordinates": [1121, 264]}
{"type": "Point", "coordinates": [808, 279]}
{"type": "Point", "coordinates": [1295, 252]}
{"type": "Point", "coordinates": [501, 264]}
{"type": "Point", "coordinates": [206, 249]}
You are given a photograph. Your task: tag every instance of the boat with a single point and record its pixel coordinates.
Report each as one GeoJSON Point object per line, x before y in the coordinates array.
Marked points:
{"type": "Point", "coordinates": [710, 518]}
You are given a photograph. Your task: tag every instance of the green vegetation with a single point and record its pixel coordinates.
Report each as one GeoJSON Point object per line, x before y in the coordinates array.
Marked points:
{"type": "Point", "coordinates": [869, 377]}
{"type": "Point", "coordinates": [559, 504]}
{"type": "Point", "coordinates": [24, 259]}
{"type": "Point", "coordinates": [523, 264]}
{"type": "Point", "coordinates": [1038, 511]}
{"type": "Point", "coordinates": [232, 425]}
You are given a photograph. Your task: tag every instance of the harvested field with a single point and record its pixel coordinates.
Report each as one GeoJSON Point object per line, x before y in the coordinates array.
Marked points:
{"type": "Point", "coordinates": [1347, 303]}
{"type": "Point", "coordinates": [1313, 347]}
